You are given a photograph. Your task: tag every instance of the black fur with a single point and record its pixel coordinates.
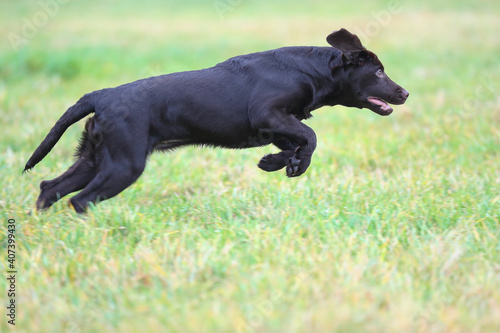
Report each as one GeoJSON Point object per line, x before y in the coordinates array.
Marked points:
{"type": "Point", "coordinates": [247, 101]}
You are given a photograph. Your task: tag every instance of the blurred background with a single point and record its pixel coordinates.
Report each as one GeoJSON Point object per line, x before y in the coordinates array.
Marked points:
{"type": "Point", "coordinates": [415, 194]}
{"type": "Point", "coordinates": [52, 52]}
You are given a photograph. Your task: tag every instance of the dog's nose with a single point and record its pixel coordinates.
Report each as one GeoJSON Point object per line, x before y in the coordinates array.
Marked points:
{"type": "Point", "coordinates": [405, 93]}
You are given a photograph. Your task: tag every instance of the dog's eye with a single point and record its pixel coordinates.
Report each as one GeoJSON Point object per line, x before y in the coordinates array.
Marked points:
{"type": "Point", "coordinates": [380, 73]}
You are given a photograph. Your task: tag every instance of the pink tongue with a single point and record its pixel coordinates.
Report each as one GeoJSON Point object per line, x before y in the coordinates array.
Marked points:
{"type": "Point", "coordinates": [377, 101]}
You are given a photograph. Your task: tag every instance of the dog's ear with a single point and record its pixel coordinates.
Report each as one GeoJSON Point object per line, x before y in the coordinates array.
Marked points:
{"type": "Point", "coordinates": [345, 41]}
{"type": "Point", "coordinates": [350, 46]}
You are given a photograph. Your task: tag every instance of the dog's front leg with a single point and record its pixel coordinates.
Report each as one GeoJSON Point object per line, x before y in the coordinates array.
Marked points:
{"type": "Point", "coordinates": [297, 142]}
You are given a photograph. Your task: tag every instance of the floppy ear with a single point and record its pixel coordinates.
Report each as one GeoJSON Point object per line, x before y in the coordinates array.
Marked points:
{"type": "Point", "coordinates": [344, 41]}
{"type": "Point", "coordinates": [350, 46]}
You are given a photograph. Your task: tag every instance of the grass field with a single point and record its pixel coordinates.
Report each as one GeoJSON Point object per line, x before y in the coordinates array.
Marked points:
{"type": "Point", "coordinates": [394, 228]}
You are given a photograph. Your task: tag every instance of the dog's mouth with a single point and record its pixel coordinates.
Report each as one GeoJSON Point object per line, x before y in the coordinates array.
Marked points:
{"type": "Point", "coordinates": [380, 106]}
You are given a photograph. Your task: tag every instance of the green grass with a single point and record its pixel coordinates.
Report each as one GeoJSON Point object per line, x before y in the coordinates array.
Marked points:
{"type": "Point", "coordinates": [394, 228]}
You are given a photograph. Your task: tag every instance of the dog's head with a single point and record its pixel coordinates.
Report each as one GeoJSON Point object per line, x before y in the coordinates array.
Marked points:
{"type": "Point", "coordinates": [365, 83]}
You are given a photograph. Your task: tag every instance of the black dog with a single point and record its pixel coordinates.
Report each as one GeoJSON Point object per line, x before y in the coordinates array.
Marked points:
{"type": "Point", "coordinates": [247, 101]}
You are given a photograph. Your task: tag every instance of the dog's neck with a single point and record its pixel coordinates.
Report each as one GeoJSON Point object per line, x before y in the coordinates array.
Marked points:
{"type": "Point", "coordinates": [327, 85]}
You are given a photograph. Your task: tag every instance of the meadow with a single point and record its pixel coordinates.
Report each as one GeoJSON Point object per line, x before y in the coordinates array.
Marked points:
{"type": "Point", "coordinates": [394, 227]}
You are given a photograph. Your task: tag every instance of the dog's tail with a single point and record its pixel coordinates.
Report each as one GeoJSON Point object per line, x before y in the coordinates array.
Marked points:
{"type": "Point", "coordinates": [82, 108]}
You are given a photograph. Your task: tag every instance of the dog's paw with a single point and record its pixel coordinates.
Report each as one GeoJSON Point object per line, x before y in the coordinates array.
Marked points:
{"type": "Point", "coordinates": [293, 168]}
{"type": "Point", "coordinates": [273, 162]}
{"type": "Point", "coordinates": [43, 203]}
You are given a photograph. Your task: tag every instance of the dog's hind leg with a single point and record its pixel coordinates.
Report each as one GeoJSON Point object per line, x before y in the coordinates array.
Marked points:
{"type": "Point", "coordinates": [74, 179]}
{"type": "Point", "coordinates": [121, 160]}
{"type": "Point", "coordinates": [115, 175]}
